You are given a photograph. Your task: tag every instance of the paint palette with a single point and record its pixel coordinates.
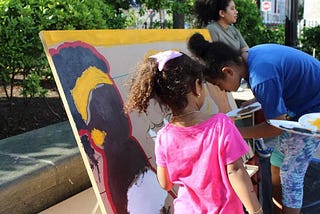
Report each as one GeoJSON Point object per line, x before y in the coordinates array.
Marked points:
{"type": "Point", "coordinates": [245, 110]}
{"type": "Point", "coordinates": [310, 121]}
{"type": "Point", "coordinates": [304, 126]}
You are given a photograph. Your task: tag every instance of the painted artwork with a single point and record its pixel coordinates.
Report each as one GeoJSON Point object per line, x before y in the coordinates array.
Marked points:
{"type": "Point", "coordinates": [91, 70]}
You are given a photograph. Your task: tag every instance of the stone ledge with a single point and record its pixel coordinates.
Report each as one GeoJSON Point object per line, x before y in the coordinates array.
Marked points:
{"type": "Point", "coordinates": [39, 169]}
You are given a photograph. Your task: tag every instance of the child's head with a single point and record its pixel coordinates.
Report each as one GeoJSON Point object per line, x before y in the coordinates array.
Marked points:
{"type": "Point", "coordinates": [208, 10]}
{"type": "Point", "coordinates": [215, 56]}
{"type": "Point", "coordinates": [166, 77]}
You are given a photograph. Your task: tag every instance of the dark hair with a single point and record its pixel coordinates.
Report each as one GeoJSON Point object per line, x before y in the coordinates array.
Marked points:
{"type": "Point", "coordinates": [168, 87]}
{"type": "Point", "coordinates": [208, 10]}
{"type": "Point", "coordinates": [214, 55]}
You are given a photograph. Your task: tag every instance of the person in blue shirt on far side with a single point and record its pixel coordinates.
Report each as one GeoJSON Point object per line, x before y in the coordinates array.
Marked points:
{"type": "Point", "coordinates": [286, 83]}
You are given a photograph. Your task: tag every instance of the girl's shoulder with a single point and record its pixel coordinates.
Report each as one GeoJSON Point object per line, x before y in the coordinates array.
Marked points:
{"type": "Point", "coordinates": [220, 118]}
{"type": "Point", "coordinates": [203, 121]}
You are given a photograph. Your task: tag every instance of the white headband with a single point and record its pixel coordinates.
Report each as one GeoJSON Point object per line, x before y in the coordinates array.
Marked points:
{"type": "Point", "coordinates": [164, 57]}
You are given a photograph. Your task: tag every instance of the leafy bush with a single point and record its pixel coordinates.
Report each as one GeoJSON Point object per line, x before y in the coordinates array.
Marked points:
{"type": "Point", "coordinates": [251, 27]}
{"type": "Point", "coordinates": [22, 59]}
{"type": "Point", "coordinates": [310, 41]}
{"type": "Point", "coordinates": [22, 20]}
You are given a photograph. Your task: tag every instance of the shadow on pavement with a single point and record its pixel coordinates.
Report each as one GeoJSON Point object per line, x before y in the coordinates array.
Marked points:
{"type": "Point", "coordinates": [311, 201]}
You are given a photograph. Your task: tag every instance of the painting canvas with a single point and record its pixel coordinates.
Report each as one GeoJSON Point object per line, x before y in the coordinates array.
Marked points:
{"type": "Point", "coordinates": [91, 69]}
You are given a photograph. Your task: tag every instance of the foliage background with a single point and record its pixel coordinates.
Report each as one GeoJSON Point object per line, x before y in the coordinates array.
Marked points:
{"type": "Point", "coordinates": [24, 70]}
{"type": "Point", "coordinates": [251, 27]}
{"type": "Point", "coordinates": [311, 41]}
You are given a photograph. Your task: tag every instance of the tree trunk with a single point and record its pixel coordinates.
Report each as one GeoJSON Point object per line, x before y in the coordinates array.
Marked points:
{"type": "Point", "coordinates": [178, 21]}
{"type": "Point", "coordinates": [178, 18]}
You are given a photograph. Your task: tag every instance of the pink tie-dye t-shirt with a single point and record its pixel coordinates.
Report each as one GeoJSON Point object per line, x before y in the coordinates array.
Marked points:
{"type": "Point", "coordinates": [196, 159]}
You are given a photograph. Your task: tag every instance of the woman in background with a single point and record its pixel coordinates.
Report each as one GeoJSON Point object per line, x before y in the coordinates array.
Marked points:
{"type": "Point", "coordinates": [219, 16]}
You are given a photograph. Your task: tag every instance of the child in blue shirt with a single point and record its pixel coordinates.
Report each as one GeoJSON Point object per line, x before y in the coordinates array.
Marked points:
{"type": "Point", "coordinates": [286, 82]}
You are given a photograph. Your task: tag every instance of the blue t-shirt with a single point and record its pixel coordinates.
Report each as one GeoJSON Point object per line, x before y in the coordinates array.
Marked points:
{"type": "Point", "coordinates": [284, 80]}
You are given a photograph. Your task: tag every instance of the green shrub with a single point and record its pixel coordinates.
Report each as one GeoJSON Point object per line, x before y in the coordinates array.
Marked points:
{"type": "Point", "coordinates": [310, 41]}
{"type": "Point", "coordinates": [22, 59]}
{"type": "Point", "coordinates": [22, 20]}
{"type": "Point", "coordinates": [251, 27]}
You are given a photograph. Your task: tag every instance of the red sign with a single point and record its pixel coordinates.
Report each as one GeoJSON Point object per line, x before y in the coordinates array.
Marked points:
{"type": "Point", "coordinates": [266, 6]}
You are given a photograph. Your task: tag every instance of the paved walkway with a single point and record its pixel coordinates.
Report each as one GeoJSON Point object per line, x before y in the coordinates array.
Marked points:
{"type": "Point", "coordinates": [311, 202]}
{"type": "Point", "coordinates": [82, 203]}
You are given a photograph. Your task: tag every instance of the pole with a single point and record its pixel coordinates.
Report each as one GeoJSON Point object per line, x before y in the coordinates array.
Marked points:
{"type": "Point", "coordinates": [291, 23]}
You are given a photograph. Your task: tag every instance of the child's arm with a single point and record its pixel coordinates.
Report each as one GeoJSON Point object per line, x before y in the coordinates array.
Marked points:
{"type": "Point", "coordinates": [163, 178]}
{"type": "Point", "coordinates": [242, 185]}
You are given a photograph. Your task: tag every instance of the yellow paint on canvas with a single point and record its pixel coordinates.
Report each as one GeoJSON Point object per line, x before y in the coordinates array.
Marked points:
{"type": "Point", "coordinates": [121, 37]}
{"type": "Point", "coordinates": [88, 81]}
{"type": "Point", "coordinates": [98, 136]}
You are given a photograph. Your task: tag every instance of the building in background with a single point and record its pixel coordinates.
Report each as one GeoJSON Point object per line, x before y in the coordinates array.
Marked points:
{"type": "Point", "coordinates": [273, 11]}
{"type": "Point", "coordinates": [311, 13]}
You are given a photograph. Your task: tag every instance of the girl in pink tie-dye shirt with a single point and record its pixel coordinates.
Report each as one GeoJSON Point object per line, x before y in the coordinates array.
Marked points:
{"type": "Point", "coordinates": [198, 152]}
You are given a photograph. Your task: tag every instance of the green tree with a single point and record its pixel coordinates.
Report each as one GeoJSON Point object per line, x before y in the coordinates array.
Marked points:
{"type": "Point", "coordinates": [251, 27]}
{"type": "Point", "coordinates": [177, 10]}
{"type": "Point", "coordinates": [310, 41]}
{"type": "Point", "coordinates": [23, 62]}
{"type": "Point", "coordinates": [21, 21]}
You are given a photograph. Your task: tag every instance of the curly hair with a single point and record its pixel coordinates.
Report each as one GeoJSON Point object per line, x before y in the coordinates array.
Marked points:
{"type": "Point", "coordinates": [168, 87]}
{"type": "Point", "coordinates": [214, 55]}
{"type": "Point", "coordinates": [206, 11]}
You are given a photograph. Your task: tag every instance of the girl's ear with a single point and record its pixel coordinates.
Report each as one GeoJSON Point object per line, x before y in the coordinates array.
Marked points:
{"type": "Point", "coordinates": [198, 87]}
{"type": "Point", "coordinates": [227, 70]}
